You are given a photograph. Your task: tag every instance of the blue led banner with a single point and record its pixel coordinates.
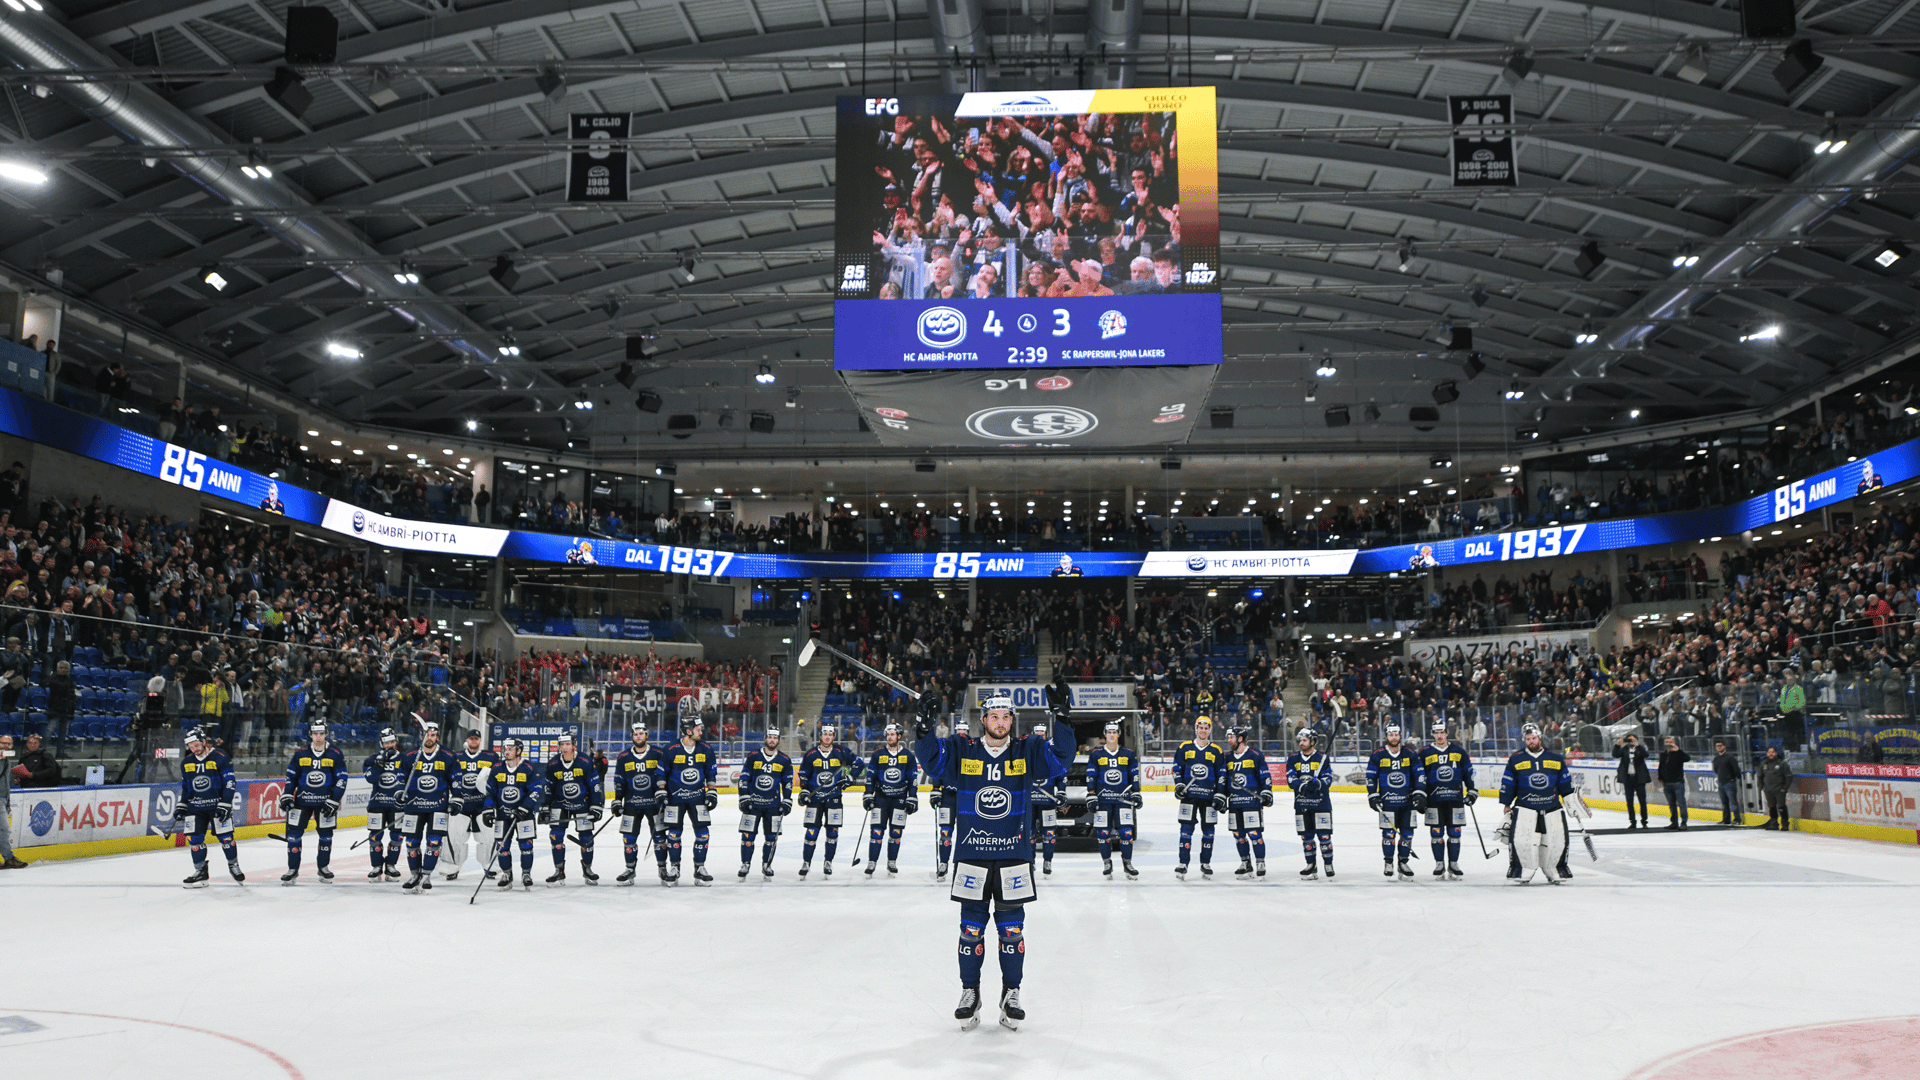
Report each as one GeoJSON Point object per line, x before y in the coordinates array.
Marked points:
{"type": "Point", "coordinates": [38, 421]}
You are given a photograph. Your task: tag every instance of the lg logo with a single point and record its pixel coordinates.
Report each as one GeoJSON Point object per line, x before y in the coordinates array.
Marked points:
{"type": "Point", "coordinates": [883, 106]}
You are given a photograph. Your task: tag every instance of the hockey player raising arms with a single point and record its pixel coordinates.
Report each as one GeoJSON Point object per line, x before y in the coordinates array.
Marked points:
{"type": "Point", "coordinates": [993, 844]}
{"type": "Point", "coordinates": [766, 798]}
{"type": "Point", "coordinates": [1196, 783]}
{"type": "Point", "coordinates": [824, 775]}
{"type": "Point", "coordinates": [1113, 798]}
{"type": "Point", "coordinates": [1249, 793]}
{"type": "Point", "coordinates": [1310, 775]}
{"type": "Point", "coordinates": [1395, 789]}
{"type": "Point", "coordinates": [1536, 790]}
{"type": "Point", "coordinates": [1449, 775]}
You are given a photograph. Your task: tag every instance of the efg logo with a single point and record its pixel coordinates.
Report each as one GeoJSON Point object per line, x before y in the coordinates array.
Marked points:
{"type": "Point", "coordinates": [1020, 422]}
{"type": "Point", "coordinates": [992, 803]}
{"type": "Point", "coordinates": [1196, 563]}
{"type": "Point", "coordinates": [941, 327]}
{"type": "Point", "coordinates": [359, 521]}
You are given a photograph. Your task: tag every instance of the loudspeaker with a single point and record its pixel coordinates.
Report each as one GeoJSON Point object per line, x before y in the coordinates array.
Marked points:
{"type": "Point", "coordinates": [1337, 416]}
{"type": "Point", "coordinates": [1589, 259]}
{"type": "Point", "coordinates": [923, 465]}
{"type": "Point", "coordinates": [1474, 365]}
{"type": "Point", "coordinates": [761, 422]}
{"type": "Point", "coordinates": [285, 88]}
{"type": "Point", "coordinates": [504, 273]}
{"type": "Point", "coordinates": [625, 376]}
{"type": "Point", "coordinates": [1221, 418]}
{"type": "Point", "coordinates": [1424, 417]}
{"type": "Point", "coordinates": [1445, 393]}
{"type": "Point", "coordinates": [1767, 19]}
{"type": "Point", "coordinates": [681, 425]}
{"type": "Point", "coordinates": [1461, 339]}
{"type": "Point", "coordinates": [1170, 463]}
{"type": "Point", "coordinates": [648, 401]}
{"type": "Point", "coordinates": [636, 348]}
{"type": "Point", "coordinates": [313, 36]}
{"type": "Point", "coordinates": [1797, 65]}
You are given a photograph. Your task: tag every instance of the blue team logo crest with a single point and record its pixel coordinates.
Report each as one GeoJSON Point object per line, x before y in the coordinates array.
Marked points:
{"type": "Point", "coordinates": [891, 775]}
{"type": "Point", "coordinates": [40, 820]}
{"type": "Point", "coordinates": [316, 779]}
{"type": "Point", "coordinates": [992, 803]}
{"type": "Point", "coordinates": [1196, 563]}
{"type": "Point", "coordinates": [1444, 773]}
{"type": "Point", "coordinates": [764, 782]}
{"type": "Point", "coordinates": [203, 782]}
{"type": "Point", "coordinates": [689, 776]}
{"type": "Point", "coordinates": [1112, 325]}
{"type": "Point", "coordinates": [1113, 777]}
{"type": "Point", "coordinates": [1396, 778]}
{"type": "Point", "coordinates": [824, 778]}
{"type": "Point", "coordinates": [1200, 772]}
{"type": "Point", "coordinates": [570, 790]}
{"type": "Point", "coordinates": [510, 795]}
{"type": "Point", "coordinates": [642, 781]}
{"type": "Point", "coordinates": [1539, 781]}
{"type": "Point", "coordinates": [941, 327]}
{"type": "Point", "coordinates": [1240, 781]}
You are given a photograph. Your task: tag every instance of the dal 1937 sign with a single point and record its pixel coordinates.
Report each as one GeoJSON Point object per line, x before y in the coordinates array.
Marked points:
{"type": "Point", "coordinates": [1482, 144]}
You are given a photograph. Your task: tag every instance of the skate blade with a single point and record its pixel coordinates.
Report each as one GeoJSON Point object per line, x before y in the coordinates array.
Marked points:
{"type": "Point", "coordinates": [1009, 1022]}
{"type": "Point", "coordinates": [970, 1022]}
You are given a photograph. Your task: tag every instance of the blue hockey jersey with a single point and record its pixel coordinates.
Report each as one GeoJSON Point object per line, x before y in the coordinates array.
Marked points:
{"type": "Point", "coordinates": [206, 782]}
{"type": "Point", "coordinates": [1198, 767]}
{"type": "Point", "coordinates": [993, 818]}
{"type": "Point", "coordinates": [689, 772]}
{"type": "Point", "coordinates": [572, 786]}
{"type": "Point", "coordinates": [429, 781]}
{"type": "Point", "coordinates": [1247, 777]}
{"type": "Point", "coordinates": [515, 790]}
{"type": "Point", "coordinates": [382, 770]}
{"type": "Point", "coordinates": [470, 779]}
{"type": "Point", "coordinates": [1311, 778]}
{"type": "Point", "coordinates": [1113, 776]}
{"type": "Point", "coordinates": [825, 775]}
{"type": "Point", "coordinates": [313, 778]}
{"type": "Point", "coordinates": [1536, 781]}
{"type": "Point", "coordinates": [1394, 775]}
{"type": "Point", "coordinates": [639, 780]}
{"type": "Point", "coordinates": [893, 774]}
{"type": "Point", "coordinates": [766, 781]}
{"type": "Point", "coordinates": [1448, 773]}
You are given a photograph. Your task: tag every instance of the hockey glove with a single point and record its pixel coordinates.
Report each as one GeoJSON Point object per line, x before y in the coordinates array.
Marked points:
{"type": "Point", "coordinates": [594, 813]}
{"type": "Point", "coordinates": [806, 798]}
{"type": "Point", "coordinates": [1472, 796]}
{"type": "Point", "coordinates": [286, 803]}
{"type": "Point", "coordinates": [1134, 799]}
{"type": "Point", "coordinates": [486, 818]}
{"type": "Point", "coordinates": [1419, 802]}
{"type": "Point", "coordinates": [1374, 801]}
{"type": "Point", "coordinates": [1220, 801]}
{"type": "Point", "coordinates": [743, 803]}
{"type": "Point", "coordinates": [1504, 834]}
{"type": "Point", "coordinates": [921, 729]}
{"type": "Point", "coordinates": [786, 807]}
{"type": "Point", "coordinates": [1266, 798]}
{"type": "Point", "coordinates": [712, 799]}
{"type": "Point", "coordinates": [933, 798]}
{"type": "Point", "coordinates": [223, 813]}
{"type": "Point", "coordinates": [1060, 797]}
{"type": "Point", "coordinates": [330, 808]}
{"type": "Point", "coordinates": [1180, 791]}
{"type": "Point", "coordinates": [866, 803]}
{"type": "Point", "coordinates": [911, 806]}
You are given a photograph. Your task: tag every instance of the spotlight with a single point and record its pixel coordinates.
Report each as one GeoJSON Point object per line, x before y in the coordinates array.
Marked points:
{"type": "Point", "coordinates": [1587, 334]}
{"type": "Point", "coordinates": [1797, 64]}
{"type": "Point", "coordinates": [1769, 332]}
{"type": "Point", "coordinates": [1337, 416]}
{"type": "Point", "coordinates": [1514, 393]}
{"type": "Point", "coordinates": [1478, 296]}
{"type": "Point", "coordinates": [666, 468]}
{"type": "Point", "coordinates": [583, 402]}
{"type": "Point", "coordinates": [256, 167]}
{"type": "Point", "coordinates": [342, 351]}
{"type": "Point", "coordinates": [648, 401]}
{"type": "Point", "coordinates": [1831, 141]}
{"type": "Point", "coordinates": [1633, 414]}
{"type": "Point", "coordinates": [1589, 259]}
{"type": "Point", "coordinates": [611, 305]}
{"type": "Point", "coordinates": [1313, 391]}
{"type": "Point", "coordinates": [503, 272]}
{"type": "Point", "coordinates": [687, 265]}
{"type": "Point", "coordinates": [1519, 65]}
{"type": "Point", "coordinates": [1440, 461]}
{"type": "Point", "coordinates": [1685, 258]}
{"type": "Point", "coordinates": [508, 347]}
{"type": "Point", "coordinates": [1694, 68]}
{"type": "Point", "coordinates": [1445, 392]}
{"type": "Point", "coordinates": [473, 425]}
{"type": "Point", "coordinates": [1326, 370]}
{"type": "Point", "coordinates": [214, 279]}
{"type": "Point", "coordinates": [1407, 252]}
{"type": "Point", "coordinates": [765, 376]}
{"type": "Point", "coordinates": [1891, 252]}
{"type": "Point", "coordinates": [793, 397]}
{"type": "Point", "coordinates": [1527, 434]}
{"type": "Point", "coordinates": [551, 84]}
{"type": "Point", "coordinates": [286, 88]}
{"type": "Point", "coordinates": [382, 94]}
{"type": "Point", "coordinates": [408, 274]}
{"type": "Point", "coordinates": [760, 423]}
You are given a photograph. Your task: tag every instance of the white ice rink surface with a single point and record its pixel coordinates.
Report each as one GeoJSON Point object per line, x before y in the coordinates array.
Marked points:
{"type": "Point", "coordinates": [1669, 943]}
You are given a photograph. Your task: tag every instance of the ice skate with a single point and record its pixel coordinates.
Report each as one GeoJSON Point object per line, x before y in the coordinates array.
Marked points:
{"type": "Point", "coordinates": [870, 869]}
{"type": "Point", "coordinates": [804, 867]}
{"type": "Point", "coordinates": [233, 868]}
{"type": "Point", "coordinates": [1244, 870]}
{"type": "Point", "coordinates": [451, 875]}
{"type": "Point", "coordinates": [1329, 871]}
{"type": "Point", "coordinates": [326, 875]}
{"type": "Point", "coordinates": [826, 869]}
{"type": "Point", "coordinates": [626, 878]}
{"type": "Point", "coordinates": [1439, 870]}
{"type": "Point", "coordinates": [968, 1011]}
{"type": "Point", "coordinates": [505, 882]}
{"type": "Point", "coordinates": [1453, 872]}
{"type": "Point", "coordinates": [526, 880]}
{"type": "Point", "coordinates": [590, 877]}
{"type": "Point", "coordinates": [426, 883]}
{"type": "Point", "coordinates": [413, 883]}
{"type": "Point", "coordinates": [289, 877]}
{"type": "Point", "coordinates": [1386, 868]}
{"type": "Point", "coordinates": [894, 871]}
{"type": "Point", "coordinates": [1206, 870]}
{"type": "Point", "coordinates": [700, 875]}
{"type": "Point", "coordinates": [939, 872]}
{"type": "Point", "coordinates": [1311, 873]}
{"type": "Point", "coordinates": [766, 871]}
{"type": "Point", "coordinates": [1181, 871]}
{"type": "Point", "coordinates": [1047, 867]}
{"type": "Point", "coordinates": [745, 868]}
{"type": "Point", "coordinates": [393, 873]}
{"type": "Point", "coordinates": [1010, 1011]}
{"type": "Point", "coordinates": [557, 878]}
{"type": "Point", "coordinates": [1128, 867]}
{"type": "Point", "coordinates": [1106, 867]}
{"type": "Point", "coordinates": [1260, 868]}
{"type": "Point", "coordinates": [1406, 870]}
{"type": "Point", "coordinates": [197, 881]}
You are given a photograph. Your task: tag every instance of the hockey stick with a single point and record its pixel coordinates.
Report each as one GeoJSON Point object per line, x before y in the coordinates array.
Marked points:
{"type": "Point", "coordinates": [1479, 835]}
{"type": "Point", "coordinates": [864, 820]}
{"type": "Point", "coordinates": [806, 655]}
{"type": "Point", "coordinates": [1586, 839]}
{"type": "Point", "coordinates": [491, 855]}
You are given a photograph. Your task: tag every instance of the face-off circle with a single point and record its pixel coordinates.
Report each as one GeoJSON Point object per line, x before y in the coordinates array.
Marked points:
{"type": "Point", "coordinates": [1881, 1049]}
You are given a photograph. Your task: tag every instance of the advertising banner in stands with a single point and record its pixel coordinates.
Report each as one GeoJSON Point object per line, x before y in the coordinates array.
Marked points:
{"type": "Point", "coordinates": [1094, 697]}
{"type": "Point", "coordinates": [598, 174]}
{"type": "Point", "coordinates": [541, 738]}
{"type": "Point", "coordinates": [1528, 645]}
{"type": "Point", "coordinates": [63, 429]}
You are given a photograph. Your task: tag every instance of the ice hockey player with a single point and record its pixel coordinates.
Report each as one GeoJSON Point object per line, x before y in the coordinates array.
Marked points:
{"type": "Point", "coordinates": [1049, 798]}
{"type": "Point", "coordinates": [1196, 780]}
{"type": "Point", "coordinates": [382, 770]}
{"type": "Point", "coordinates": [893, 794]}
{"type": "Point", "coordinates": [1310, 776]}
{"type": "Point", "coordinates": [1249, 791]}
{"type": "Point", "coordinates": [429, 773]}
{"type": "Point", "coordinates": [691, 796]}
{"type": "Point", "coordinates": [1536, 791]}
{"type": "Point", "coordinates": [824, 775]}
{"type": "Point", "coordinates": [639, 791]}
{"type": "Point", "coordinates": [316, 782]}
{"type": "Point", "coordinates": [1396, 790]}
{"type": "Point", "coordinates": [513, 802]}
{"type": "Point", "coordinates": [1113, 798]}
{"type": "Point", "coordinates": [469, 798]}
{"type": "Point", "coordinates": [993, 844]}
{"type": "Point", "coordinates": [766, 798]}
{"type": "Point", "coordinates": [207, 791]}
{"type": "Point", "coordinates": [573, 798]}
{"type": "Point", "coordinates": [1450, 790]}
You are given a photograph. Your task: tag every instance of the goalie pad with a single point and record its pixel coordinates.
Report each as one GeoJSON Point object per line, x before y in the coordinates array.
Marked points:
{"type": "Point", "coordinates": [1576, 807]}
{"type": "Point", "coordinates": [1539, 840]}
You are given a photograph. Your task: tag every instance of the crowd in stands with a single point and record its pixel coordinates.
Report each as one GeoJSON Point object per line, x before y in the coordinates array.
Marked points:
{"type": "Point", "coordinates": [731, 695]}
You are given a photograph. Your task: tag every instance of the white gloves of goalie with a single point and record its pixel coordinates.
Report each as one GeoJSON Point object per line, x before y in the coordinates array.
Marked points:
{"type": "Point", "coordinates": [1504, 834]}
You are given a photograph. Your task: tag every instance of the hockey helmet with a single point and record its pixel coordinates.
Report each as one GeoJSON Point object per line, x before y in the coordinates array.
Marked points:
{"type": "Point", "coordinates": [691, 721]}
{"type": "Point", "coordinates": [1237, 732]}
{"type": "Point", "coordinates": [511, 743]}
{"type": "Point", "coordinates": [1393, 731]}
{"type": "Point", "coordinates": [829, 729]}
{"type": "Point", "coordinates": [428, 725]}
{"type": "Point", "coordinates": [640, 727]}
{"type": "Point", "coordinates": [195, 735]}
{"type": "Point", "coordinates": [773, 733]}
{"type": "Point", "coordinates": [998, 701]}
{"type": "Point", "coordinates": [1203, 718]}
{"type": "Point", "coordinates": [1113, 727]}
{"type": "Point", "coordinates": [387, 736]}
{"type": "Point", "coordinates": [892, 729]}
{"type": "Point", "coordinates": [1439, 728]}
{"type": "Point", "coordinates": [1530, 730]}
{"type": "Point", "coordinates": [565, 739]}
{"type": "Point", "coordinates": [318, 727]}
{"type": "Point", "coordinates": [1307, 737]}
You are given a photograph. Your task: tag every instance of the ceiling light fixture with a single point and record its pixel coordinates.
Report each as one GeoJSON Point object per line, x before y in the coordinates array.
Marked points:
{"type": "Point", "coordinates": [765, 376]}
{"type": "Point", "coordinates": [340, 350]}
{"type": "Point", "coordinates": [22, 174]}
{"type": "Point", "coordinates": [1587, 334]}
{"type": "Point", "coordinates": [1770, 332]}
{"type": "Point", "coordinates": [214, 279]}
{"type": "Point", "coordinates": [408, 274]}
{"type": "Point", "coordinates": [1407, 253]}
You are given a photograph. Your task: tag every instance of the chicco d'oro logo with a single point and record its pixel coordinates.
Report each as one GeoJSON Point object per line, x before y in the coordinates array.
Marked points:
{"type": "Point", "coordinates": [992, 803]}
{"type": "Point", "coordinates": [941, 327]}
{"type": "Point", "coordinates": [1020, 423]}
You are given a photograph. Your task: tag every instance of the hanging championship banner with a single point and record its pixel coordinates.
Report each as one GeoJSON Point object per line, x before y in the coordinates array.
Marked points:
{"type": "Point", "coordinates": [1482, 146]}
{"type": "Point", "coordinates": [598, 174]}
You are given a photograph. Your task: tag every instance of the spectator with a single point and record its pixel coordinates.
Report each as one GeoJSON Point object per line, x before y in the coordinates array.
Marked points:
{"type": "Point", "coordinates": [61, 700]}
{"type": "Point", "coordinates": [1673, 782]}
{"type": "Point", "coordinates": [1776, 779]}
{"type": "Point", "coordinates": [1633, 776]}
{"type": "Point", "coordinates": [8, 773]}
{"type": "Point", "coordinates": [41, 770]}
{"type": "Point", "coordinates": [1726, 775]}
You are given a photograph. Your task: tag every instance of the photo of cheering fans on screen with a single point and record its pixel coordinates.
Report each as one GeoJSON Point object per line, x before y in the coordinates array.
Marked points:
{"type": "Point", "coordinates": [1031, 206]}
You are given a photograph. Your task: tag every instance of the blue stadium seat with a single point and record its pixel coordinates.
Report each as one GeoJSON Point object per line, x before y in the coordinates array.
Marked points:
{"type": "Point", "coordinates": [37, 723]}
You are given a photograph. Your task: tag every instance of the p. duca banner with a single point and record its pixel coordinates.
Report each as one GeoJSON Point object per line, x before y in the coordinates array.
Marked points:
{"type": "Point", "coordinates": [598, 173]}
{"type": "Point", "coordinates": [1482, 148]}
